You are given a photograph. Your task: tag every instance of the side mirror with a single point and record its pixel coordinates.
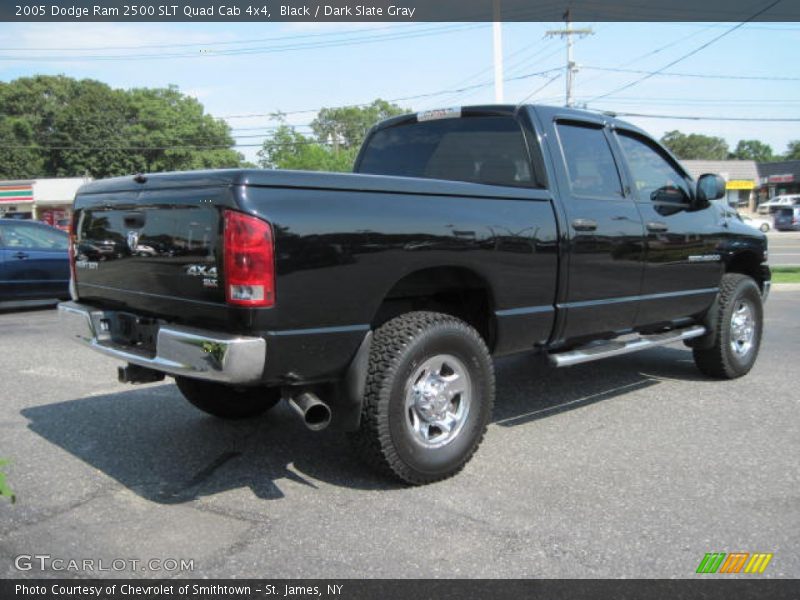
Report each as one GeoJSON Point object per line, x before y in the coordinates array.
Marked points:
{"type": "Point", "coordinates": [709, 187]}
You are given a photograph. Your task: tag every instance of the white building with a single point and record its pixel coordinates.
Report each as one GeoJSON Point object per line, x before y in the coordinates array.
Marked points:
{"type": "Point", "coordinates": [48, 200]}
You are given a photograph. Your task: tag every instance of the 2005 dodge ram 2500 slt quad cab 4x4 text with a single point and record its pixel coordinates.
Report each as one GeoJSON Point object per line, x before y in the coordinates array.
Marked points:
{"type": "Point", "coordinates": [373, 302]}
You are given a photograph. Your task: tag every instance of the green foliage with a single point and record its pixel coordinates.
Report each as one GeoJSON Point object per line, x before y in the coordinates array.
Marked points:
{"type": "Point", "coordinates": [338, 134]}
{"type": "Point", "coordinates": [793, 150]}
{"type": "Point", "coordinates": [5, 490]}
{"type": "Point", "coordinates": [753, 150]}
{"type": "Point", "coordinates": [59, 126]}
{"type": "Point", "coordinates": [785, 274]}
{"type": "Point", "coordinates": [289, 149]}
{"type": "Point", "coordinates": [695, 146]}
{"type": "Point", "coordinates": [17, 162]}
{"type": "Point", "coordinates": [348, 125]}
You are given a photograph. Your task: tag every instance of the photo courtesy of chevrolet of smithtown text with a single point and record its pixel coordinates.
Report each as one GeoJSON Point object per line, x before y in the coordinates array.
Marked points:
{"type": "Point", "coordinates": [487, 299]}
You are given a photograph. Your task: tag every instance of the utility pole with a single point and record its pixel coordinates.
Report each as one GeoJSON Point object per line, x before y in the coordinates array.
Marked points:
{"type": "Point", "coordinates": [498, 53]}
{"type": "Point", "coordinates": [567, 33]}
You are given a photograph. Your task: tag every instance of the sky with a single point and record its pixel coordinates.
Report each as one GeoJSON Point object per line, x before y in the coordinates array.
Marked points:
{"type": "Point", "coordinates": [243, 72]}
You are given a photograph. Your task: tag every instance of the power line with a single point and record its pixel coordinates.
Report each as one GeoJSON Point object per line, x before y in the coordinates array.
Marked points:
{"type": "Point", "coordinates": [539, 89]}
{"type": "Point", "coordinates": [705, 118]}
{"type": "Point", "coordinates": [353, 41]}
{"type": "Point", "coordinates": [172, 147]}
{"type": "Point", "coordinates": [688, 54]}
{"type": "Point", "coordinates": [195, 44]}
{"type": "Point", "coordinates": [698, 75]}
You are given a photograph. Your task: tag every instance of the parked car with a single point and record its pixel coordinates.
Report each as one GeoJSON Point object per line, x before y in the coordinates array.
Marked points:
{"type": "Point", "coordinates": [34, 264]}
{"type": "Point", "coordinates": [788, 219]}
{"type": "Point", "coordinates": [772, 205]}
{"type": "Point", "coordinates": [760, 223]}
{"type": "Point", "coordinates": [373, 302]}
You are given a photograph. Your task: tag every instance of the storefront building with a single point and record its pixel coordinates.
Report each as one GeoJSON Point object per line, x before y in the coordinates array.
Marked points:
{"type": "Point", "coordinates": [778, 178]}
{"type": "Point", "coordinates": [48, 200]}
{"type": "Point", "coordinates": [741, 179]}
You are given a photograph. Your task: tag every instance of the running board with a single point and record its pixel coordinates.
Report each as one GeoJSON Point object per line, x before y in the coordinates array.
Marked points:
{"type": "Point", "coordinates": [598, 350]}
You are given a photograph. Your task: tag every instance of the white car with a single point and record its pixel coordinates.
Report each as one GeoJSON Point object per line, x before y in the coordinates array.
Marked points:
{"type": "Point", "coordinates": [760, 223]}
{"type": "Point", "coordinates": [782, 201]}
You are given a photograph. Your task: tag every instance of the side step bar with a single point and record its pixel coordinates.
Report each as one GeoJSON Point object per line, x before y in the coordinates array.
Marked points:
{"type": "Point", "coordinates": [596, 351]}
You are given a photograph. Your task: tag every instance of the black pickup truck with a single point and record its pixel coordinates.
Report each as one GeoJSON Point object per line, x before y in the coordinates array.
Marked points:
{"type": "Point", "coordinates": [373, 302]}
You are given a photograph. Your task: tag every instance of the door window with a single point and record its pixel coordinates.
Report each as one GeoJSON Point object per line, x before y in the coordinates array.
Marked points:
{"type": "Point", "coordinates": [32, 237]}
{"type": "Point", "coordinates": [655, 178]}
{"type": "Point", "coordinates": [590, 164]}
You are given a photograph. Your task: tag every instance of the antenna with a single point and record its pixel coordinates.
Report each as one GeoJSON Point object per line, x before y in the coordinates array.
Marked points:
{"type": "Point", "coordinates": [568, 32]}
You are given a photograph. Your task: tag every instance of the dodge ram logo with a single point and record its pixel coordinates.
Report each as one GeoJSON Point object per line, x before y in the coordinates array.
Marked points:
{"type": "Point", "coordinates": [133, 240]}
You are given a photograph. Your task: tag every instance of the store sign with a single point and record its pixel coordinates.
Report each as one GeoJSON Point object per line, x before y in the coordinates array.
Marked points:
{"type": "Point", "coordinates": [16, 193]}
{"type": "Point", "coordinates": [740, 184]}
{"type": "Point", "coordinates": [787, 178]}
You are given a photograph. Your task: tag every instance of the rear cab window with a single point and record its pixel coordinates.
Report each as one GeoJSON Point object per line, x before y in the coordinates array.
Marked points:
{"type": "Point", "coordinates": [590, 164]}
{"type": "Point", "coordinates": [478, 149]}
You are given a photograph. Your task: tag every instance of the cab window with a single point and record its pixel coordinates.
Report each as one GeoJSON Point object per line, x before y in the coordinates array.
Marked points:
{"type": "Point", "coordinates": [590, 165]}
{"type": "Point", "coordinates": [478, 149]}
{"type": "Point", "coordinates": [655, 178]}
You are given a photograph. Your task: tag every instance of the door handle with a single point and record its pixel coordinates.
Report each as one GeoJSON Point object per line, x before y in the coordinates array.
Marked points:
{"type": "Point", "coordinates": [21, 255]}
{"type": "Point", "coordinates": [584, 224]}
{"type": "Point", "coordinates": [657, 227]}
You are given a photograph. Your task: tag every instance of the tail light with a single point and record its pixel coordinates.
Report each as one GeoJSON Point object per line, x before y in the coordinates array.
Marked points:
{"type": "Point", "coordinates": [249, 261]}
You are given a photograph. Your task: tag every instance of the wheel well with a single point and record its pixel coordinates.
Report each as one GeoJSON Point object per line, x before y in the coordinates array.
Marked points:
{"type": "Point", "coordinates": [455, 291]}
{"type": "Point", "coordinates": [747, 263]}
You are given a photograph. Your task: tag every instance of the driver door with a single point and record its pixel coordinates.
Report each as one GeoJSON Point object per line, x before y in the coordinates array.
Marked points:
{"type": "Point", "coordinates": [682, 264]}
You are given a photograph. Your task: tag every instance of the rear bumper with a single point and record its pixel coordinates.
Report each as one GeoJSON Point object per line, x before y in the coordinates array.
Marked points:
{"type": "Point", "coordinates": [185, 351]}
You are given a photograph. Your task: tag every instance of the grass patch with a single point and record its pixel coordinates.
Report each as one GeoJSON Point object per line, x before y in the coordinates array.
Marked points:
{"type": "Point", "coordinates": [785, 274]}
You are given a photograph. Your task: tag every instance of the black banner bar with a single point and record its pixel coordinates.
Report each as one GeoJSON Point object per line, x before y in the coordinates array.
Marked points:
{"type": "Point", "coordinates": [397, 10]}
{"type": "Point", "coordinates": [441, 589]}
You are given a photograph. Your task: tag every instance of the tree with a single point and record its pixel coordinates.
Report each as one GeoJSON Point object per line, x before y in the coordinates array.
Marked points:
{"type": "Point", "coordinates": [337, 137]}
{"type": "Point", "coordinates": [59, 126]}
{"type": "Point", "coordinates": [793, 150]}
{"type": "Point", "coordinates": [753, 150]}
{"type": "Point", "coordinates": [347, 126]}
{"type": "Point", "coordinates": [289, 149]}
{"type": "Point", "coordinates": [17, 159]}
{"type": "Point", "coordinates": [695, 146]}
{"type": "Point", "coordinates": [177, 133]}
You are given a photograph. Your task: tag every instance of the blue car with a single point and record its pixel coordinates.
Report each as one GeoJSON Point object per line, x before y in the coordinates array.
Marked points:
{"type": "Point", "coordinates": [788, 218]}
{"type": "Point", "coordinates": [34, 263]}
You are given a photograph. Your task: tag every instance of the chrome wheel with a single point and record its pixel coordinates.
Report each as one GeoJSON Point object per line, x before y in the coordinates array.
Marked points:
{"type": "Point", "coordinates": [743, 328]}
{"type": "Point", "coordinates": [438, 397]}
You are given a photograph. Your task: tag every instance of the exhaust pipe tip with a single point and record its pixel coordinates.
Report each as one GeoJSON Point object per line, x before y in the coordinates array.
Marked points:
{"type": "Point", "coordinates": [315, 413]}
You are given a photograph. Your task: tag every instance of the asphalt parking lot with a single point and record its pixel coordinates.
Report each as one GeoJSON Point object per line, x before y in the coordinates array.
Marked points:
{"type": "Point", "coordinates": [631, 467]}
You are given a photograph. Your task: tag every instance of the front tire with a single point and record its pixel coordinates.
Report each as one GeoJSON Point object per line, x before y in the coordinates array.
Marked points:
{"type": "Point", "coordinates": [764, 227]}
{"type": "Point", "coordinates": [225, 401]}
{"type": "Point", "coordinates": [737, 319]}
{"type": "Point", "coordinates": [428, 397]}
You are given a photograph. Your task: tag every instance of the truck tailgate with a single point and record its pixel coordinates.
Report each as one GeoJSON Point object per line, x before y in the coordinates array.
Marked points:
{"type": "Point", "coordinates": [154, 251]}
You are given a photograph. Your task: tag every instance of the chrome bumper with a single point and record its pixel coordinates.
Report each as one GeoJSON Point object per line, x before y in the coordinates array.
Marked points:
{"type": "Point", "coordinates": [186, 351]}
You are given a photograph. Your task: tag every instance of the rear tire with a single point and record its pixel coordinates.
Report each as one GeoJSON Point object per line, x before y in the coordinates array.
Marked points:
{"type": "Point", "coordinates": [764, 227]}
{"type": "Point", "coordinates": [428, 397]}
{"type": "Point", "coordinates": [737, 320]}
{"type": "Point", "coordinates": [225, 401]}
